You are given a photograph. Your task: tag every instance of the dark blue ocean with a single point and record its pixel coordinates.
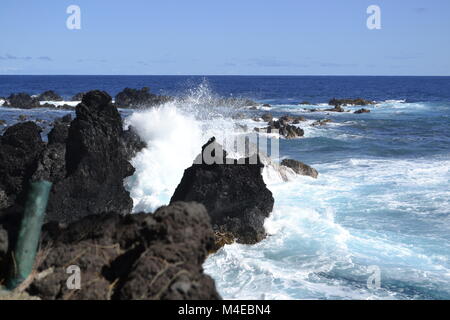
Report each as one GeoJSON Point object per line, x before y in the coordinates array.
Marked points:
{"type": "Point", "coordinates": [374, 225]}
{"type": "Point", "coordinates": [279, 89]}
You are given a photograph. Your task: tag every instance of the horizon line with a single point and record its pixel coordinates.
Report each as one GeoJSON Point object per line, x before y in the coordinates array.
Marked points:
{"type": "Point", "coordinates": [221, 75]}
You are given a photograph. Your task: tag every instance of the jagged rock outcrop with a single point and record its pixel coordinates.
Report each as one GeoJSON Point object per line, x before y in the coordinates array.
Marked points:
{"type": "Point", "coordinates": [321, 122]}
{"type": "Point", "coordinates": [291, 119]}
{"type": "Point", "coordinates": [137, 98]}
{"type": "Point", "coordinates": [349, 102]}
{"type": "Point", "coordinates": [300, 168]}
{"type": "Point", "coordinates": [336, 108]}
{"type": "Point", "coordinates": [283, 128]}
{"type": "Point", "coordinates": [139, 256]}
{"type": "Point", "coordinates": [51, 165]}
{"type": "Point", "coordinates": [49, 95]}
{"type": "Point", "coordinates": [234, 193]}
{"type": "Point", "coordinates": [22, 101]}
{"type": "Point", "coordinates": [131, 142]}
{"type": "Point", "coordinates": [59, 133]}
{"type": "Point", "coordinates": [78, 97]}
{"type": "Point", "coordinates": [95, 165]}
{"type": "Point", "coordinates": [363, 110]}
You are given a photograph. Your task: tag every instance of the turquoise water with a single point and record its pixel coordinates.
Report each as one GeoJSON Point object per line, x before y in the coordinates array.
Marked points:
{"type": "Point", "coordinates": [382, 199]}
{"type": "Point", "coordinates": [381, 202]}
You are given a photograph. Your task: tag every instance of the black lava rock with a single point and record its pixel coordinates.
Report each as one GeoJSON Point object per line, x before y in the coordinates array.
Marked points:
{"type": "Point", "coordinates": [139, 256]}
{"type": "Point", "coordinates": [20, 148]}
{"type": "Point", "coordinates": [49, 96]}
{"type": "Point", "coordinates": [23, 101]}
{"type": "Point", "coordinates": [78, 97]}
{"type": "Point", "coordinates": [134, 98]}
{"type": "Point", "coordinates": [96, 163]}
{"type": "Point", "coordinates": [300, 168]}
{"type": "Point", "coordinates": [234, 194]}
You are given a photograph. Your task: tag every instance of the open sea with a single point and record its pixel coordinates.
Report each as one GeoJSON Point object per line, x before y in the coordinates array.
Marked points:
{"type": "Point", "coordinates": [380, 208]}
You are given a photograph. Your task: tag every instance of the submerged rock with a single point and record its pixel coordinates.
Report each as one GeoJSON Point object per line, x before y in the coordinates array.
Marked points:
{"type": "Point", "coordinates": [234, 193]}
{"type": "Point", "coordinates": [49, 95]}
{"type": "Point", "coordinates": [139, 256]}
{"type": "Point", "coordinates": [286, 119]}
{"type": "Point", "coordinates": [362, 111]}
{"type": "Point", "coordinates": [300, 168]}
{"type": "Point", "coordinates": [337, 108]}
{"type": "Point", "coordinates": [321, 122]}
{"type": "Point", "coordinates": [283, 128]}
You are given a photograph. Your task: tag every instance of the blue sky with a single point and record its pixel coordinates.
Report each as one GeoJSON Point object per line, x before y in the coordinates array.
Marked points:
{"type": "Point", "coordinates": [209, 37]}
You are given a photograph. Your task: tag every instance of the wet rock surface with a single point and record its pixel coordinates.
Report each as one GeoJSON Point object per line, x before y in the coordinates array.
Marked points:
{"type": "Point", "coordinates": [234, 193]}
{"type": "Point", "coordinates": [300, 168]}
{"type": "Point", "coordinates": [337, 108]}
{"type": "Point", "coordinates": [283, 128]}
{"type": "Point", "coordinates": [321, 122]}
{"type": "Point", "coordinates": [363, 110]}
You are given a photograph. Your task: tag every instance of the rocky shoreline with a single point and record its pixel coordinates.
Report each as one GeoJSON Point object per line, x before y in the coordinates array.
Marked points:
{"type": "Point", "coordinates": [127, 98]}
{"type": "Point", "coordinates": [89, 221]}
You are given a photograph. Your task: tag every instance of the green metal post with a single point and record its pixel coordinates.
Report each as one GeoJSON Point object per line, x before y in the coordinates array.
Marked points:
{"type": "Point", "coordinates": [29, 233]}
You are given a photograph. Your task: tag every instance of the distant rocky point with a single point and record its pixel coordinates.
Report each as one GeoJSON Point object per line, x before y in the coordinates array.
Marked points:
{"type": "Point", "coordinates": [138, 98]}
{"type": "Point", "coordinates": [49, 96]}
{"type": "Point", "coordinates": [350, 102]}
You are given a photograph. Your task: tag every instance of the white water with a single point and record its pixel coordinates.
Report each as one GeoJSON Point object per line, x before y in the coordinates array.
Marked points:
{"type": "Point", "coordinates": [61, 103]}
{"type": "Point", "coordinates": [325, 233]}
{"type": "Point", "coordinates": [174, 136]}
